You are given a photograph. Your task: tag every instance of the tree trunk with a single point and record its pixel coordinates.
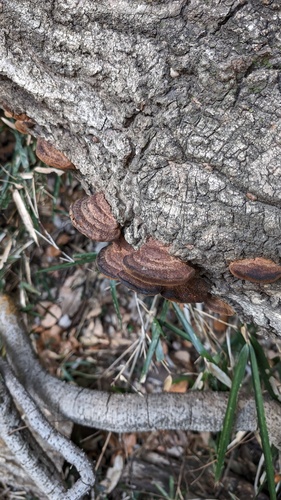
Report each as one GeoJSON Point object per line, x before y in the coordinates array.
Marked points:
{"type": "Point", "coordinates": [171, 109]}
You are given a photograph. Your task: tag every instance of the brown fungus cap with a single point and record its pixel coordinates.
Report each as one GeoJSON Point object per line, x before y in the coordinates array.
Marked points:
{"type": "Point", "coordinates": [24, 126]}
{"type": "Point", "coordinates": [218, 306]}
{"type": "Point", "coordinates": [138, 285]}
{"type": "Point", "coordinates": [153, 264]}
{"type": "Point", "coordinates": [9, 113]}
{"type": "Point", "coordinates": [110, 259]}
{"type": "Point", "coordinates": [194, 290]}
{"type": "Point", "coordinates": [92, 216]}
{"type": "Point", "coordinates": [258, 270]}
{"type": "Point", "coordinates": [110, 262]}
{"type": "Point", "coordinates": [51, 156]}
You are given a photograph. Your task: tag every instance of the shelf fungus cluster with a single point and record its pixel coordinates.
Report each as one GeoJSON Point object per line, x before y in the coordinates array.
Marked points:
{"type": "Point", "coordinates": [150, 270]}
{"type": "Point", "coordinates": [23, 123]}
{"type": "Point", "coordinates": [45, 151]}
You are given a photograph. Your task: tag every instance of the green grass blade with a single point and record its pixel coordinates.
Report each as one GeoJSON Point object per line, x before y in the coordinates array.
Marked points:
{"type": "Point", "coordinates": [192, 336]}
{"type": "Point", "coordinates": [164, 310]}
{"type": "Point", "coordinates": [58, 267]}
{"type": "Point", "coordinates": [29, 288]}
{"type": "Point", "coordinates": [176, 330]}
{"type": "Point", "coordinates": [262, 426]}
{"type": "Point", "coordinates": [231, 409]}
{"type": "Point", "coordinates": [115, 301]}
{"type": "Point", "coordinates": [79, 260]}
{"type": "Point", "coordinates": [156, 331]}
{"type": "Point", "coordinates": [263, 364]}
{"type": "Point", "coordinates": [164, 493]}
{"type": "Point", "coordinates": [159, 353]}
{"type": "Point", "coordinates": [85, 257]}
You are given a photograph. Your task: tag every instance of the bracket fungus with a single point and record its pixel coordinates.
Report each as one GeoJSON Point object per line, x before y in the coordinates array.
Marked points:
{"type": "Point", "coordinates": [23, 123]}
{"type": "Point", "coordinates": [258, 270]}
{"type": "Point", "coordinates": [92, 216]}
{"type": "Point", "coordinates": [218, 306]}
{"type": "Point", "coordinates": [195, 290]}
{"type": "Point", "coordinates": [150, 270]}
{"type": "Point", "coordinates": [152, 263]}
{"type": "Point", "coordinates": [9, 113]}
{"type": "Point", "coordinates": [138, 285]}
{"type": "Point", "coordinates": [51, 156]}
{"type": "Point", "coordinates": [24, 126]}
{"type": "Point", "coordinates": [110, 258]}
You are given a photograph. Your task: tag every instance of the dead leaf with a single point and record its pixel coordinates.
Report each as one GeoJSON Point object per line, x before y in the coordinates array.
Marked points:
{"type": "Point", "coordinates": [63, 239]}
{"type": "Point", "coordinates": [70, 294]}
{"type": "Point", "coordinates": [130, 441]}
{"type": "Point", "coordinates": [52, 316]}
{"type": "Point", "coordinates": [113, 474]}
{"type": "Point", "coordinates": [52, 251]}
{"type": "Point", "coordinates": [183, 357]}
{"type": "Point", "coordinates": [168, 383]}
{"type": "Point", "coordinates": [180, 387]}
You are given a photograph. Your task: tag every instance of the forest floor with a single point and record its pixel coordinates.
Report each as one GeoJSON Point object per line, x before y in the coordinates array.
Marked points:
{"type": "Point", "coordinates": [96, 333]}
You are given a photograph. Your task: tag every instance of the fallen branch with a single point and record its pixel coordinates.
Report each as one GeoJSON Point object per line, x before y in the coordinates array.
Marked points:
{"type": "Point", "coordinates": [197, 411]}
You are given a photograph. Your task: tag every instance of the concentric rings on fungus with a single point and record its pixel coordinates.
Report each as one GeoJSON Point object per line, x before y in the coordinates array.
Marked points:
{"type": "Point", "coordinates": [150, 270]}
{"type": "Point", "coordinates": [92, 216]}
{"type": "Point", "coordinates": [152, 263]}
{"type": "Point", "coordinates": [110, 259]}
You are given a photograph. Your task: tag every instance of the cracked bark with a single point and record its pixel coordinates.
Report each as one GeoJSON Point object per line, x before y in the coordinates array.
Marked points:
{"type": "Point", "coordinates": [172, 108]}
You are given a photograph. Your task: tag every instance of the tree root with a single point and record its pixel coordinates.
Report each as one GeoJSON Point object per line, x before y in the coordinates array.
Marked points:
{"type": "Point", "coordinates": [57, 441]}
{"type": "Point", "coordinates": [197, 411]}
{"type": "Point", "coordinates": [27, 451]}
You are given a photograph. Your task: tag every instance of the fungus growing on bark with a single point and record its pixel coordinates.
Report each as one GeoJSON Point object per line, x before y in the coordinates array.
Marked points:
{"type": "Point", "coordinates": [51, 156]}
{"type": "Point", "coordinates": [23, 123]}
{"type": "Point", "coordinates": [24, 126]}
{"type": "Point", "coordinates": [9, 113]}
{"type": "Point", "coordinates": [92, 216]}
{"type": "Point", "coordinates": [110, 262]}
{"type": "Point", "coordinates": [218, 305]}
{"type": "Point", "coordinates": [138, 285]}
{"type": "Point", "coordinates": [194, 290]}
{"type": "Point", "coordinates": [110, 259]}
{"type": "Point", "coordinates": [148, 270]}
{"type": "Point", "coordinates": [258, 270]}
{"type": "Point", "coordinates": [151, 270]}
{"type": "Point", "coordinates": [153, 264]}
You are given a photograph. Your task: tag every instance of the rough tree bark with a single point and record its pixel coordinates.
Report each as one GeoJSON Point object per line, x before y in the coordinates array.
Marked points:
{"type": "Point", "coordinates": [172, 108]}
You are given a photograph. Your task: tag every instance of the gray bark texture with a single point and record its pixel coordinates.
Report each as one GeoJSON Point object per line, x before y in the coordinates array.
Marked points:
{"type": "Point", "coordinates": [172, 108]}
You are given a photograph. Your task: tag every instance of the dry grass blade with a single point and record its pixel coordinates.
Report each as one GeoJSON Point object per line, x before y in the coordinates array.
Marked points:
{"type": "Point", "coordinates": [26, 219]}
{"type": "Point", "coordinates": [4, 257]}
{"type": "Point", "coordinates": [8, 123]}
